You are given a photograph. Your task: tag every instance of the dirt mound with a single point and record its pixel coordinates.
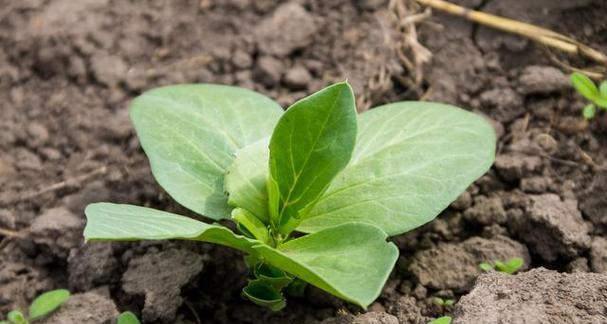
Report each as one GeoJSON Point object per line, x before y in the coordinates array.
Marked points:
{"type": "Point", "coordinates": [537, 296]}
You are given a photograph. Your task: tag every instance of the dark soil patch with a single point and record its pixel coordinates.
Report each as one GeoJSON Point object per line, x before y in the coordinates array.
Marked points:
{"type": "Point", "coordinates": [69, 68]}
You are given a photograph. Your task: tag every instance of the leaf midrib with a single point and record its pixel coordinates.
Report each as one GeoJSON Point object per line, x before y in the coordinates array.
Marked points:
{"type": "Point", "coordinates": [296, 178]}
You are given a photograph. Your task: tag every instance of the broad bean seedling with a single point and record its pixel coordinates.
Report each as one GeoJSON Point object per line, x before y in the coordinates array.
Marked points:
{"type": "Point", "coordinates": [314, 192]}
{"type": "Point", "coordinates": [509, 267]}
{"type": "Point", "coordinates": [588, 89]}
{"type": "Point", "coordinates": [42, 306]}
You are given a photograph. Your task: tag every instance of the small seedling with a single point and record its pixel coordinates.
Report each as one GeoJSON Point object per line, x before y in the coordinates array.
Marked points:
{"type": "Point", "coordinates": [511, 266]}
{"type": "Point", "coordinates": [445, 302]}
{"type": "Point", "coordinates": [42, 306]}
{"type": "Point", "coordinates": [442, 320]}
{"type": "Point", "coordinates": [344, 182]}
{"type": "Point", "coordinates": [127, 318]}
{"type": "Point", "coordinates": [588, 89]}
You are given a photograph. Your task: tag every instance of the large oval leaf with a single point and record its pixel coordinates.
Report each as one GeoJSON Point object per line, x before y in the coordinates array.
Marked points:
{"type": "Point", "coordinates": [119, 222]}
{"type": "Point", "coordinates": [190, 134]}
{"type": "Point", "coordinates": [412, 159]}
{"type": "Point", "coordinates": [311, 143]}
{"type": "Point", "coordinates": [351, 261]}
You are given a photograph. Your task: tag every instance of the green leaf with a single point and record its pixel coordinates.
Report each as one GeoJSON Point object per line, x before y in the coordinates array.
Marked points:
{"type": "Point", "coordinates": [603, 89]}
{"type": "Point", "coordinates": [127, 318]}
{"type": "Point", "coordinates": [589, 111]}
{"type": "Point", "coordinates": [510, 267]}
{"type": "Point", "coordinates": [263, 294]}
{"type": "Point", "coordinates": [118, 222]}
{"type": "Point", "coordinates": [485, 267]}
{"type": "Point", "coordinates": [272, 275]}
{"type": "Point", "coordinates": [442, 320]}
{"type": "Point", "coordinates": [584, 86]}
{"type": "Point", "coordinates": [245, 180]}
{"type": "Point", "coordinates": [312, 142]}
{"type": "Point", "coordinates": [449, 302]}
{"type": "Point", "coordinates": [252, 224]}
{"type": "Point", "coordinates": [412, 159]}
{"type": "Point", "coordinates": [499, 265]}
{"type": "Point", "coordinates": [47, 303]}
{"type": "Point", "coordinates": [439, 301]}
{"type": "Point", "coordinates": [601, 101]}
{"type": "Point", "coordinates": [351, 261]}
{"type": "Point", "coordinates": [190, 134]}
{"type": "Point", "coordinates": [16, 317]}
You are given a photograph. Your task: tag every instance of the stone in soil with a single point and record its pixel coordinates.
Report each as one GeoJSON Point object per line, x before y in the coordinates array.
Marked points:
{"type": "Point", "coordinates": [298, 78]}
{"type": "Point", "coordinates": [535, 297]}
{"type": "Point", "coordinates": [159, 276]}
{"type": "Point", "coordinates": [551, 228]}
{"type": "Point", "coordinates": [57, 230]}
{"type": "Point", "coordinates": [288, 28]}
{"type": "Point", "coordinates": [109, 70]}
{"type": "Point", "coordinates": [406, 310]}
{"type": "Point", "coordinates": [513, 166]}
{"type": "Point", "coordinates": [268, 70]}
{"type": "Point", "coordinates": [455, 265]}
{"type": "Point", "coordinates": [87, 308]}
{"type": "Point", "coordinates": [542, 80]}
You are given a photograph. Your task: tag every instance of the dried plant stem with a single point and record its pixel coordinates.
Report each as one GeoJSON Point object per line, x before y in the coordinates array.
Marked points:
{"type": "Point", "coordinates": [541, 35]}
{"type": "Point", "coordinates": [63, 184]}
{"type": "Point", "coordinates": [411, 52]}
{"type": "Point", "coordinates": [10, 233]}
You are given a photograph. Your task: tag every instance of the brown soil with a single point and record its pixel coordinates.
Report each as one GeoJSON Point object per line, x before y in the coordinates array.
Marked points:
{"type": "Point", "coordinates": [69, 68]}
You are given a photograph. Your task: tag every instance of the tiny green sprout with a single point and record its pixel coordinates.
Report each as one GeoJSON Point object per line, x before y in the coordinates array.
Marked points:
{"type": "Point", "coordinates": [588, 89]}
{"type": "Point", "coordinates": [314, 192]}
{"type": "Point", "coordinates": [127, 318]}
{"type": "Point", "coordinates": [42, 306]}
{"type": "Point", "coordinates": [446, 302]}
{"type": "Point", "coordinates": [511, 266]}
{"type": "Point", "coordinates": [442, 320]}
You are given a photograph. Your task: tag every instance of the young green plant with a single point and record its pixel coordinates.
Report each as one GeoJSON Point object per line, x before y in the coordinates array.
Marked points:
{"type": "Point", "coordinates": [444, 302]}
{"type": "Point", "coordinates": [510, 267]}
{"type": "Point", "coordinates": [42, 306]}
{"type": "Point", "coordinates": [588, 89]}
{"type": "Point", "coordinates": [127, 318]}
{"type": "Point", "coordinates": [442, 320]}
{"type": "Point", "coordinates": [314, 192]}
